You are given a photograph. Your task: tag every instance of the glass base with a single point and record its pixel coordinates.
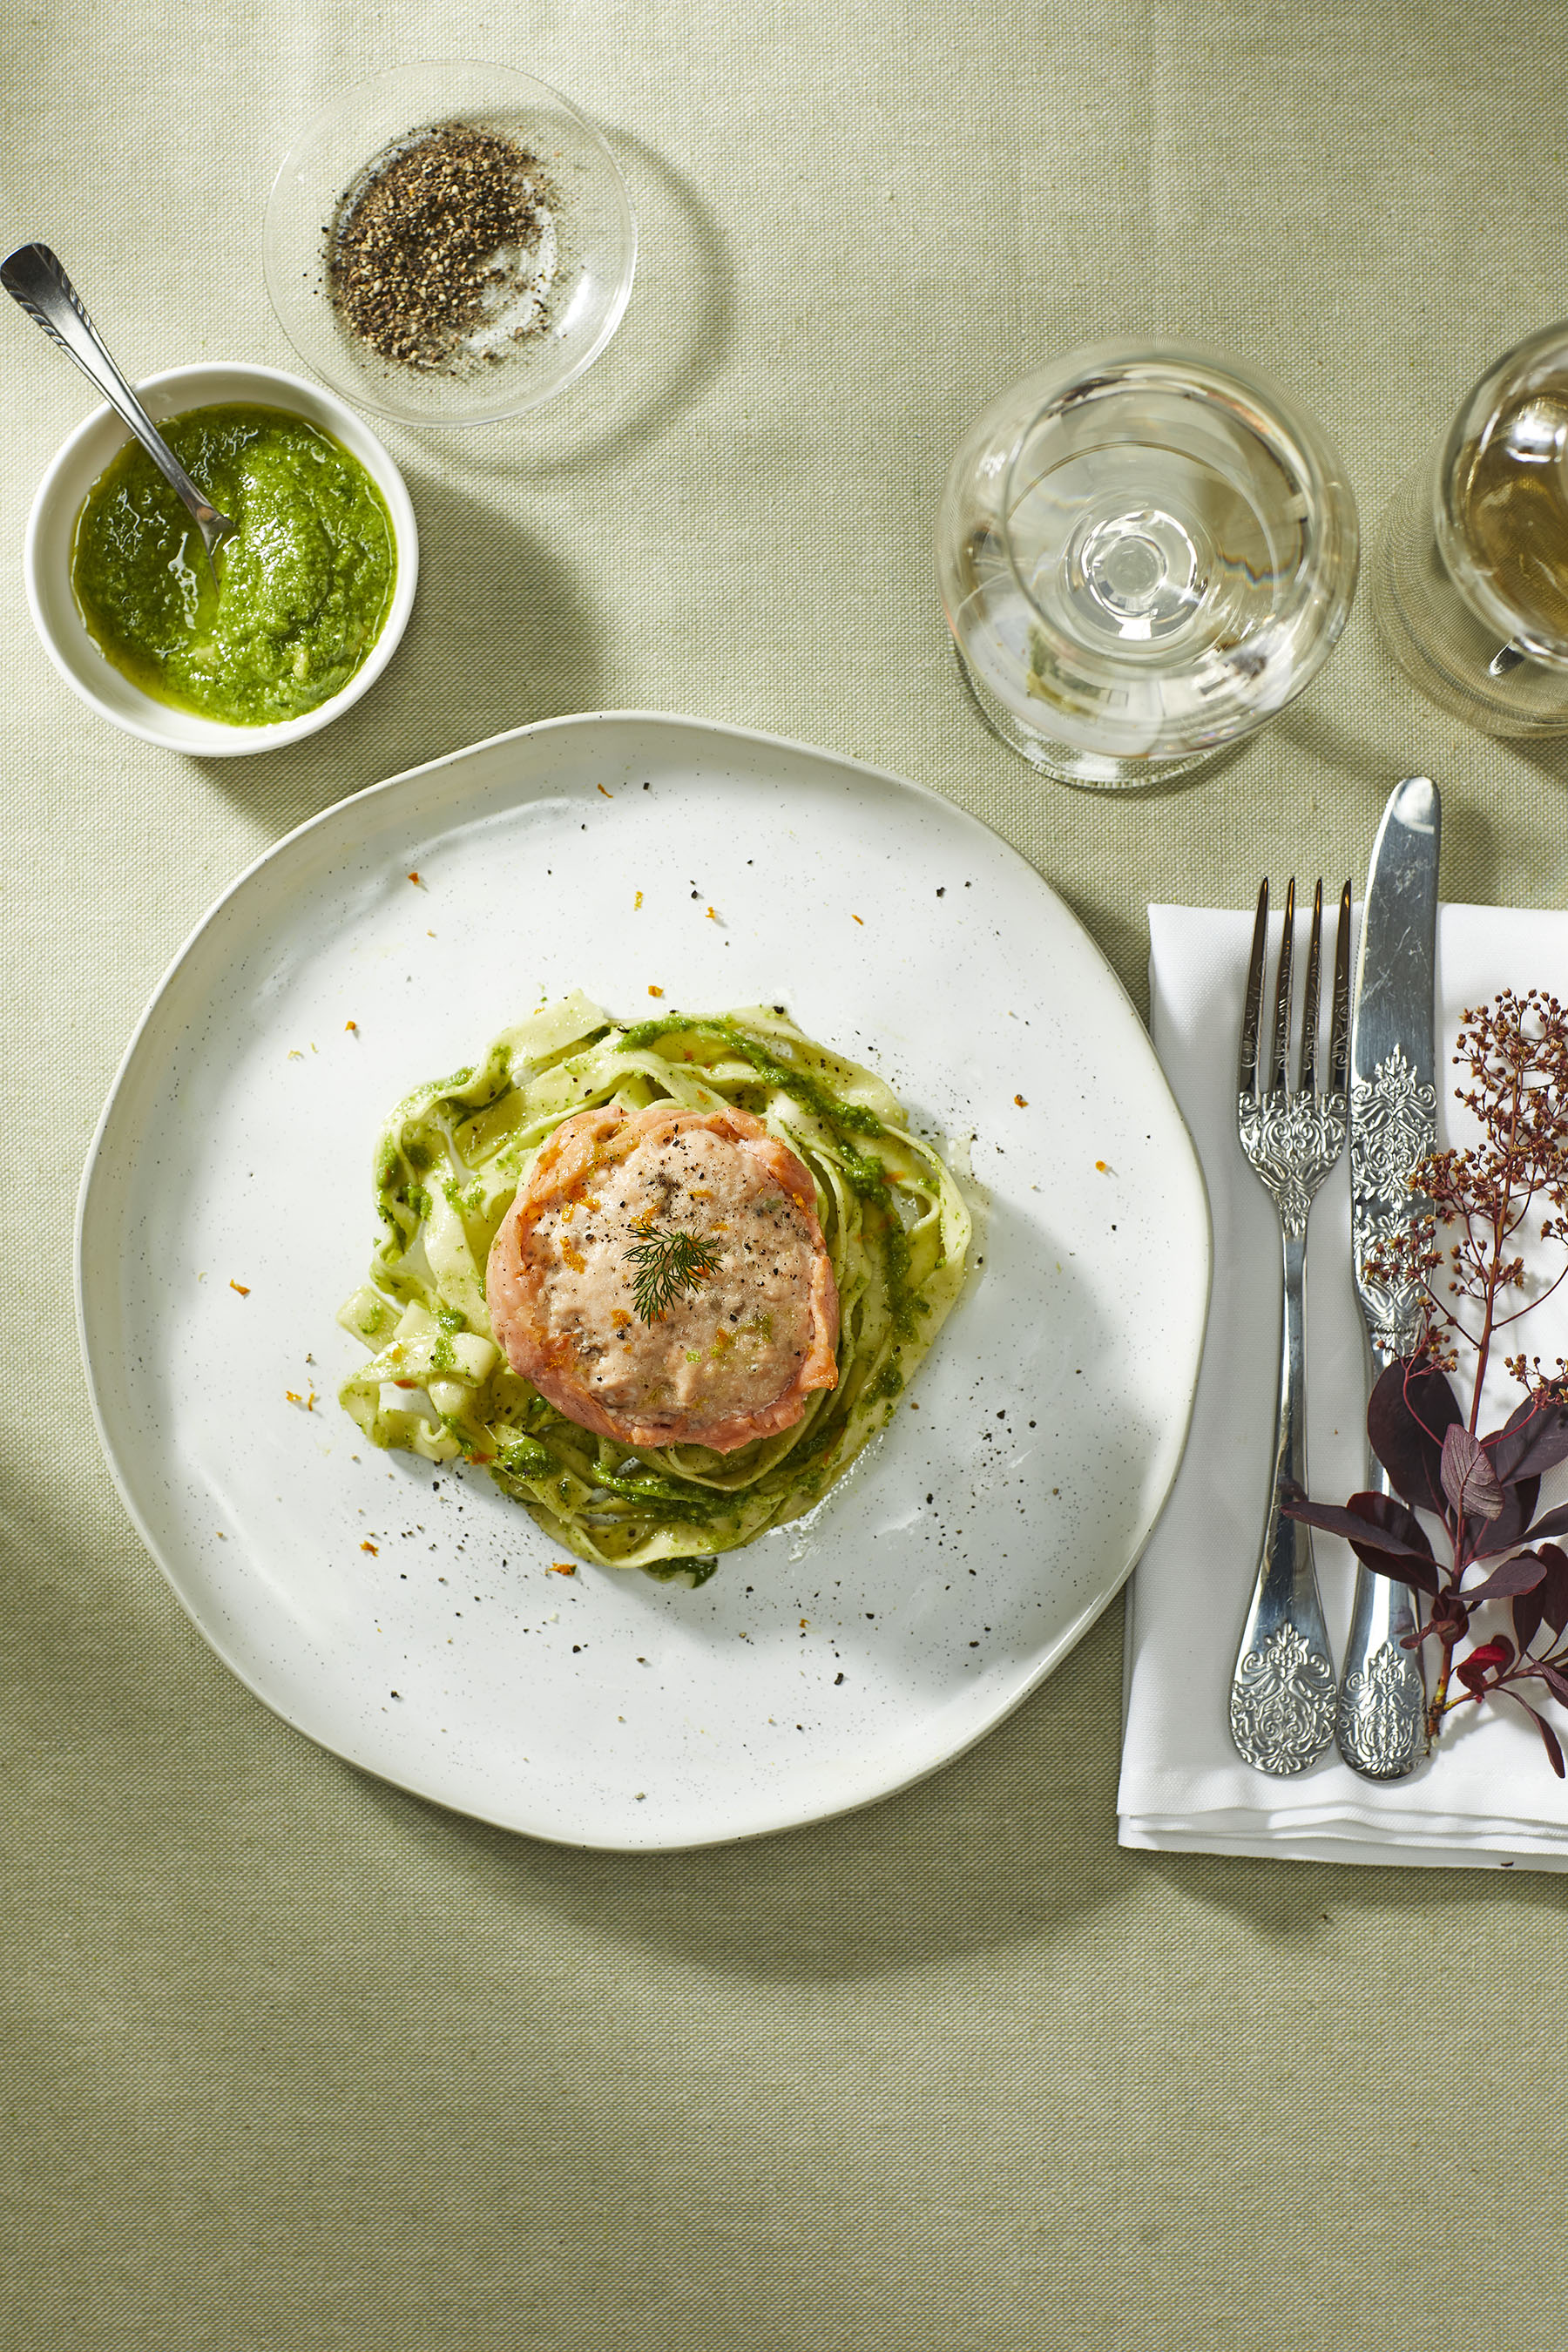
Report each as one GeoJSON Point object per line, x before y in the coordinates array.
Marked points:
{"type": "Point", "coordinates": [1444, 648]}
{"type": "Point", "coordinates": [1066, 764]}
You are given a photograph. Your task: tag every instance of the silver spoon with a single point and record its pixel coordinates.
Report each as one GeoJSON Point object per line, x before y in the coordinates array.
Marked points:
{"type": "Point", "coordinates": [34, 277]}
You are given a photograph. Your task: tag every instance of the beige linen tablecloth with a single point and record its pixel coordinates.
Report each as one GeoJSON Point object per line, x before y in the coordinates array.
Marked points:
{"type": "Point", "coordinates": [294, 2061]}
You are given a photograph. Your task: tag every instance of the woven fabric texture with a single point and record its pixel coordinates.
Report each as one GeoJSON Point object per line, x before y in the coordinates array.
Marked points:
{"type": "Point", "coordinates": [293, 2060]}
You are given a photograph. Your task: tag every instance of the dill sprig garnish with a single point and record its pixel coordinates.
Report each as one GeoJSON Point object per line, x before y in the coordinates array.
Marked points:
{"type": "Point", "coordinates": [665, 1263]}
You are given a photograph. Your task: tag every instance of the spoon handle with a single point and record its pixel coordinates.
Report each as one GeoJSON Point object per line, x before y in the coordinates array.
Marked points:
{"type": "Point", "coordinates": [34, 277]}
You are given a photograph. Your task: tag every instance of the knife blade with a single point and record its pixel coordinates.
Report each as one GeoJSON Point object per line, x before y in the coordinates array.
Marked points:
{"type": "Point", "coordinates": [1381, 1724]}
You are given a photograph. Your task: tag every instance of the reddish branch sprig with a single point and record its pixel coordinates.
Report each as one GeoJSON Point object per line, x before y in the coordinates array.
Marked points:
{"type": "Point", "coordinates": [1516, 1052]}
{"type": "Point", "coordinates": [1483, 1489]}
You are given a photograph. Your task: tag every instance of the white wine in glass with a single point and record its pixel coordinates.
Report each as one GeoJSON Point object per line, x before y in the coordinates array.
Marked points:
{"type": "Point", "coordinates": [1470, 573]}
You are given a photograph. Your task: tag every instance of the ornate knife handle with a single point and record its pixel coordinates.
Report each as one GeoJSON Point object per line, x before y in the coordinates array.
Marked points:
{"type": "Point", "coordinates": [1282, 1693]}
{"type": "Point", "coordinates": [1381, 1723]}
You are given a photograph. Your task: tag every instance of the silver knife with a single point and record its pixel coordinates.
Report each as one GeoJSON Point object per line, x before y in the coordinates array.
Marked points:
{"type": "Point", "coordinates": [1381, 1722]}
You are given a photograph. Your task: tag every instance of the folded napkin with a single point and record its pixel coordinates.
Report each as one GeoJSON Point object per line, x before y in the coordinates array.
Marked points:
{"type": "Point", "coordinates": [1488, 1797]}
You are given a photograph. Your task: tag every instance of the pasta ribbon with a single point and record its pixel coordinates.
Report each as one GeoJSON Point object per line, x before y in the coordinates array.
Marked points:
{"type": "Point", "coordinates": [447, 1166]}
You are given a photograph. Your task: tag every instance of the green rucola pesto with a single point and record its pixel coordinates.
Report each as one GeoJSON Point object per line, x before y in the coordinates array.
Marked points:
{"type": "Point", "coordinates": [303, 586]}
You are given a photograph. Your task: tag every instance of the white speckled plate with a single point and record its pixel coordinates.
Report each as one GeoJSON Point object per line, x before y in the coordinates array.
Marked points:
{"type": "Point", "coordinates": [406, 1616]}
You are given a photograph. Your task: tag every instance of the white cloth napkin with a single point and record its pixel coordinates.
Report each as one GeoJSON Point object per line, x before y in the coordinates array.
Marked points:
{"type": "Point", "coordinates": [1488, 1797]}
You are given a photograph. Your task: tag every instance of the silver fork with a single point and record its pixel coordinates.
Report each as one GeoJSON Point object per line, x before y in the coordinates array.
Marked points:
{"type": "Point", "coordinates": [1282, 1693]}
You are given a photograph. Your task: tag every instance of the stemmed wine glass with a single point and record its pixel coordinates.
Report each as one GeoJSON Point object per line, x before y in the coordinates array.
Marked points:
{"type": "Point", "coordinates": [1470, 581]}
{"type": "Point", "coordinates": [1144, 554]}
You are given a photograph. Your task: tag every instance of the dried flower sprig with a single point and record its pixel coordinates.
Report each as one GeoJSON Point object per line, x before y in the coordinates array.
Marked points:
{"type": "Point", "coordinates": [1483, 1489]}
{"type": "Point", "coordinates": [1516, 1051]}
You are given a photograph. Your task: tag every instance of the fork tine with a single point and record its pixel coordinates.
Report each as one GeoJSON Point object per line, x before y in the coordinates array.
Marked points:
{"type": "Point", "coordinates": [1252, 1010]}
{"type": "Point", "coordinates": [1307, 1075]}
{"type": "Point", "coordinates": [1278, 1077]}
{"type": "Point", "coordinates": [1340, 1021]}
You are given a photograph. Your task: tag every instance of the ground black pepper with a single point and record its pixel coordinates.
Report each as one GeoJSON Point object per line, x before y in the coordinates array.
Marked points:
{"type": "Point", "coordinates": [444, 235]}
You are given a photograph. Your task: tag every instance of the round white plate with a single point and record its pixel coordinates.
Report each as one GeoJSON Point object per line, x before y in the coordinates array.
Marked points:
{"type": "Point", "coordinates": [226, 1210]}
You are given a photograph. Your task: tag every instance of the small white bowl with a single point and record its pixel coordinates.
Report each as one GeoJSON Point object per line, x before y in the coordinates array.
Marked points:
{"type": "Point", "coordinates": [51, 530]}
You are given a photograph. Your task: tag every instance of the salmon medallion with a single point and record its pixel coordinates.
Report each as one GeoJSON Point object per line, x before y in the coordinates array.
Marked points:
{"type": "Point", "coordinates": [662, 1278]}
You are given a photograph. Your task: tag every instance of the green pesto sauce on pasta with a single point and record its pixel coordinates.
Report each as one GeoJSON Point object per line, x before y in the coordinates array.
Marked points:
{"type": "Point", "coordinates": [447, 1166]}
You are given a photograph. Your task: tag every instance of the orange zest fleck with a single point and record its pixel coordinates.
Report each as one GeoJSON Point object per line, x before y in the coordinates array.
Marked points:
{"type": "Point", "coordinates": [574, 1257]}
{"type": "Point", "coordinates": [352, 1026]}
{"type": "Point", "coordinates": [367, 1547]}
{"type": "Point", "coordinates": [711, 916]}
{"type": "Point", "coordinates": [656, 992]}
{"type": "Point", "coordinates": [1103, 1166]}
{"type": "Point", "coordinates": [415, 875]}
{"type": "Point", "coordinates": [243, 1288]}
{"type": "Point", "coordinates": [637, 902]}
{"type": "Point", "coordinates": [1021, 1101]}
{"type": "Point", "coordinates": [855, 919]}
{"type": "Point", "coordinates": [562, 1568]}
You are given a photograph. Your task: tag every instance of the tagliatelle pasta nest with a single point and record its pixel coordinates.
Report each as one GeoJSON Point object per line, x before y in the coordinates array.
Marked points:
{"type": "Point", "coordinates": [448, 1167]}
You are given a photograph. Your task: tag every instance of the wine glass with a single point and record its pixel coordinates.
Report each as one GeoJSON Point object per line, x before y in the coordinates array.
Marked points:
{"type": "Point", "coordinates": [1144, 554]}
{"type": "Point", "coordinates": [1470, 572]}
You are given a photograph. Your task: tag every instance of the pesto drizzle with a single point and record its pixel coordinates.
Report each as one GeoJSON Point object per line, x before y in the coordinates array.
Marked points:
{"type": "Point", "coordinates": [447, 1168]}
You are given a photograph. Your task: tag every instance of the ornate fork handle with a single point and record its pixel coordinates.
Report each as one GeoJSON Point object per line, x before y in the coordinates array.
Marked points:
{"type": "Point", "coordinates": [1282, 1693]}
{"type": "Point", "coordinates": [1292, 1143]}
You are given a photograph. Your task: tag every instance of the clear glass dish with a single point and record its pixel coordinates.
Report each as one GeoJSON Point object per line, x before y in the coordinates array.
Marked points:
{"type": "Point", "coordinates": [1144, 554]}
{"type": "Point", "coordinates": [592, 227]}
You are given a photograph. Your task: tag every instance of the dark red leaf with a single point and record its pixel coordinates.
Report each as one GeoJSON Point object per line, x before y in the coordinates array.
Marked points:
{"type": "Point", "coordinates": [1399, 1548]}
{"type": "Point", "coordinates": [1469, 1479]}
{"type": "Point", "coordinates": [1406, 1416]}
{"type": "Point", "coordinates": [1533, 1439]}
{"type": "Point", "coordinates": [1526, 1615]}
{"type": "Point", "coordinates": [1522, 1573]}
{"type": "Point", "coordinates": [1413, 1572]}
{"type": "Point", "coordinates": [1556, 1680]}
{"type": "Point", "coordinates": [1511, 1525]}
{"type": "Point", "coordinates": [1451, 1616]}
{"type": "Point", "coordinates": [1553, 1587]}
{"type": "Point", "coordinates": [1549, 1740]}
{"type": "Point", "coordinates": [1400, 1531]}
{"type": "Point", "coordinates": [1555, 1523]}
{"type": "Point", "coordinates": [1477, 1670]}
